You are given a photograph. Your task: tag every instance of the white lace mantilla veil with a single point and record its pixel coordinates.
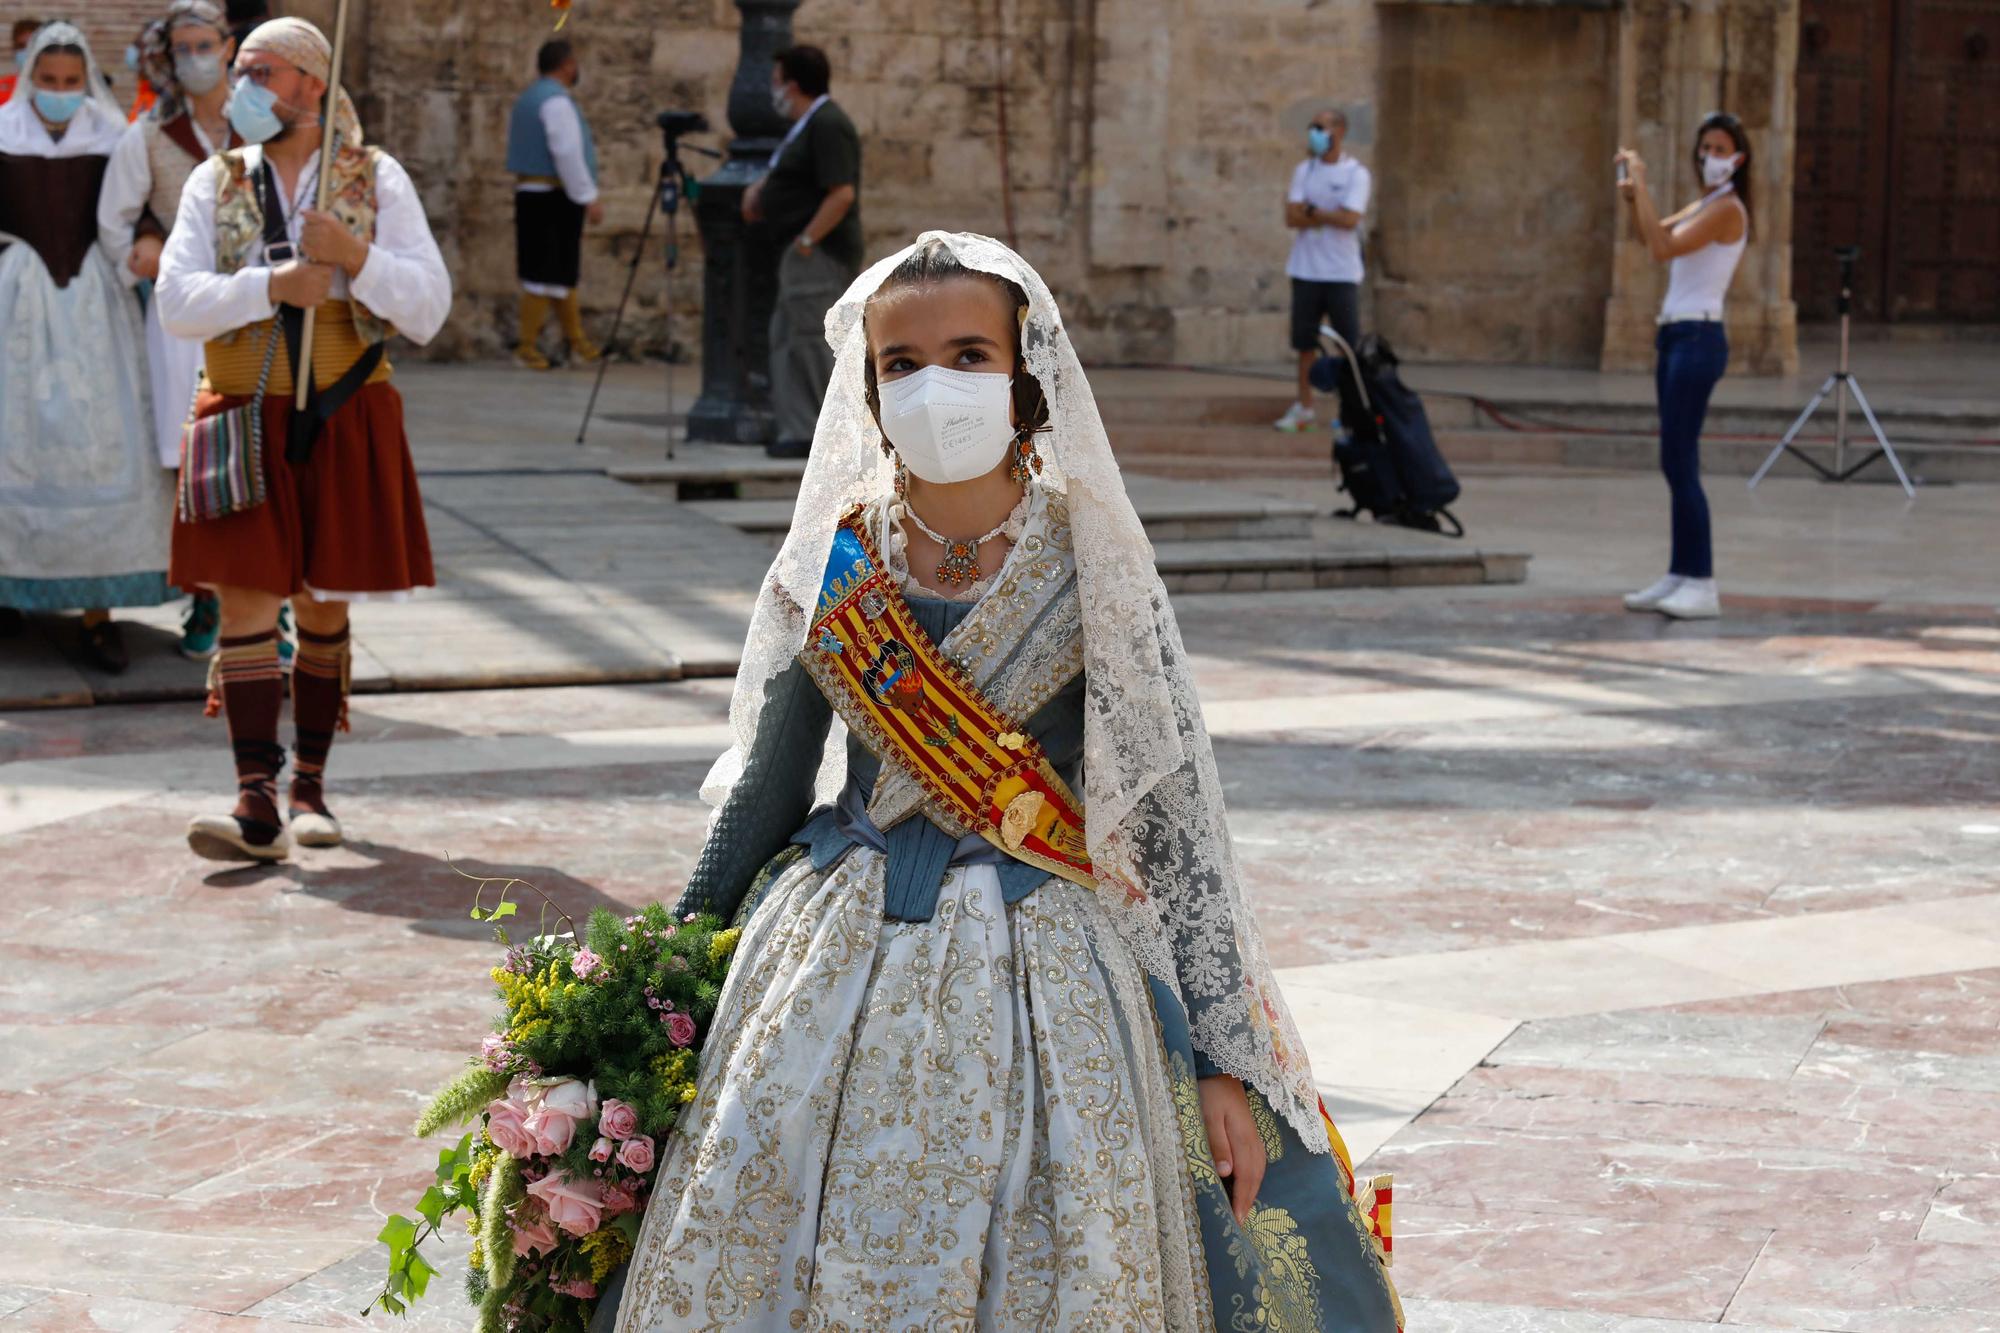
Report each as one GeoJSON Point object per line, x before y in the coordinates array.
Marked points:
{"type": "Point", "coordinates": [1153, 803]}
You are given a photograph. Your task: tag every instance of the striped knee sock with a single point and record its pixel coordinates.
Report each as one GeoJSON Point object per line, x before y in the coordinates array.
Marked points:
{"type": "Point", "coordinates": [319, 708]}
{"type": "Point", "coordinates": [251, 690]}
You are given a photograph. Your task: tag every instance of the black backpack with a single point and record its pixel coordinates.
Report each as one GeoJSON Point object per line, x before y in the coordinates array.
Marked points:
{"type": "Point", "coordinates": [1388, 459]}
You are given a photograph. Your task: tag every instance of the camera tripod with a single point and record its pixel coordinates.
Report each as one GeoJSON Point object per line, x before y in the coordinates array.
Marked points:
{"type": "Point", "coordinates": [1840, 383]}
{"type": "Point", "coordinates": [667, 194]}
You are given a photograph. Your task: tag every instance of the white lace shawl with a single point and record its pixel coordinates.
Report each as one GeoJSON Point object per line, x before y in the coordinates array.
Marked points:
{"type": "Point", "coordinates": [1153, 803]}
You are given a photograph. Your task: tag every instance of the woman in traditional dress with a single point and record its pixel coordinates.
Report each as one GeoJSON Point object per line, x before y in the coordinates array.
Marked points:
{"type": "Point", "coordinates": [984, 1060]}
{"type": "Point", "coordinates": [84, 504]}
{"type": "Point", "coordinates": [185, 55]}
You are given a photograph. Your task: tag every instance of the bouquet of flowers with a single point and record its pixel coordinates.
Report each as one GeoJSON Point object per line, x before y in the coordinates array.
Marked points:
{"type": "Point", "coordinates": [574, 1090]}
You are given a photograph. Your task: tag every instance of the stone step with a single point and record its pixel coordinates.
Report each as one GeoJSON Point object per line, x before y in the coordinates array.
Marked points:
{"type": "Point", "coordinates": [1216, 451]}
{"type": "Point", "coordinates": [1357, 560]}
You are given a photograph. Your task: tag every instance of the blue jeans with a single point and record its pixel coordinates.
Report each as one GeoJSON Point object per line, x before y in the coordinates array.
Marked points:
{"type": "Point", "coordinates": [1693, 355]}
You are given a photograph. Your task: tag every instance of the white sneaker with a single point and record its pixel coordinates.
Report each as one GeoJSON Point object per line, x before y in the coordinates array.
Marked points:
{"type": "Point", "coordinates": [1650, 599]}
{"type": "Point", "coordinates": [1695, 599]}
{"type": "Point", "coordinates": [224, 838]}
{"type": "Point", "coordinates": [1297, 417]}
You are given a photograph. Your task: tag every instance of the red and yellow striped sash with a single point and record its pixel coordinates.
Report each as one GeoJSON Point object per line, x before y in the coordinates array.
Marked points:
{"type": "Point", "coordinates": [916, 709]}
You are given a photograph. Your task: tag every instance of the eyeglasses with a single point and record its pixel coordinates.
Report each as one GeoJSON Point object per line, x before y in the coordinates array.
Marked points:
{"type": "Point", "coordinates": [260, 75]}
{"type": "Point", "coordinates": [207, 46]}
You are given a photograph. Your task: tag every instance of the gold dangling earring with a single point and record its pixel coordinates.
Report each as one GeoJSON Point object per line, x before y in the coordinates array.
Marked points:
{"type": "Point", "coordinates": [1027, 463]}
{"type": "Point", "coordinates": [902, 482]}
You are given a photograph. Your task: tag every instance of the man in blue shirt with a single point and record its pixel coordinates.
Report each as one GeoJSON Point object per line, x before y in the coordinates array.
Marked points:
{"type": "Point", "coordinates": [554, 161]}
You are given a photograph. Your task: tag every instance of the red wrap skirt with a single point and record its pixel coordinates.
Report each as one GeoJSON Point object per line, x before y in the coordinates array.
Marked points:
{"type": "Point", "coordinates": [348, 520]}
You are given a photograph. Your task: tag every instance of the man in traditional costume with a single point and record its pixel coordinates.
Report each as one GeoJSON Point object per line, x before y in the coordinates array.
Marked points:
{"type": "Point", "coordinates": [1000, 1047]}
{"type": "Point", "coordinates": [340, 519]}
{"type": "Point", "coordinates": [83, 503]}
{"type": "Point", "coordinates": [554, 160]}
{"type": "Point", "coordinates": [187, 55]}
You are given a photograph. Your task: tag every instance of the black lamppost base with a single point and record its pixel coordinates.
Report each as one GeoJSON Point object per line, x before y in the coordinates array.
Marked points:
{"type": "Point", "coordinates": [740, 259]}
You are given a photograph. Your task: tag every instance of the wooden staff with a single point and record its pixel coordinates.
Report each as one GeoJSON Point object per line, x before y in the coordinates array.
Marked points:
{"type": "Point", "coordinates": [328, 116]}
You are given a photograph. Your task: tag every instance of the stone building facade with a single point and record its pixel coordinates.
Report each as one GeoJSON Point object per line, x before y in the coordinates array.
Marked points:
{"type": "Point", "coordinates": [1138, 152]}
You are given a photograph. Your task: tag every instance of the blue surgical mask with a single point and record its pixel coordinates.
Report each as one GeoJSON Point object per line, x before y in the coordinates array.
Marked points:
{"type": "Point", "coordinates": [253, 112]}
{"type": "Point", "coordinates": [198, 73]}
{"type": "Point", "coordinates": [1319, 141]}
{"type": "Point", "coordinates": [57, 108]}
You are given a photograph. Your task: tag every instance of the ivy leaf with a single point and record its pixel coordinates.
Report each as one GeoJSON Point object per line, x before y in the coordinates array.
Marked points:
{"type": "Point", "coordinates": [434, 1205]}
{"type": "Point", "coordinates": [392, 1305]}
{"type": "Point", "coordinates": [504, 909]}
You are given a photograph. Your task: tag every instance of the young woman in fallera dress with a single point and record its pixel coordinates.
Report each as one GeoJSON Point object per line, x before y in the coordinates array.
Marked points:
{"type": "Point", "coordinates": [1000, 1048]}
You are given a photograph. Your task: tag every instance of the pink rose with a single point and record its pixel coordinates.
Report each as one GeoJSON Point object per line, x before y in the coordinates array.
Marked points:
{"type": "Point", "coordinates": [585, 965]}
{"type": "Point", "coordinates": [575, 1287]}
{"type": "Point", "coordinates": [576, 1100]}
{"type": "Point", "coordinates": [617, 1119]}
{"type": "Point", "coordinates": [577, 1206]}
{"type": "Point", "coordinates": [506, 1125]}
{"type": "Point", "coordinates": [525, 1092]}
{"type": "Point", "coordinates": [620, 1199]}
{"type": "Point", "coordinates": [636, 1154]}
{"type": "Point", "coordinates": [551, 1131]}
{"type": "Point", "coordinates": [600, 1151]}
{"type": "Point", "coordinates": [532, 1232]}
{"type": "Point", "coordinates": [680, 1029]}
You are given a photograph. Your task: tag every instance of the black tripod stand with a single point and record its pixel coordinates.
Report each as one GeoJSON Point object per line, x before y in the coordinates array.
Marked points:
{"type": "Point", "coordinates": [673, 184]}
{"type": "Point", "coordinates": [1840, 383]}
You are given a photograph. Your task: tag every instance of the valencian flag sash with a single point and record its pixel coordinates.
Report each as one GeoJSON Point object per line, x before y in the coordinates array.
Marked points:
{"type": "Point", "coordinates": [913, 707]}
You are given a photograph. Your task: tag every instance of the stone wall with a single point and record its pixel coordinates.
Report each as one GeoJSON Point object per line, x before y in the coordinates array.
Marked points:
{"type": "Point", "coordinates": [1497, 203]}
{"type": "Point", "coordinates": [1138, 151]}
{"type": "Point", "coordinates": [1677, 62]}
{"type": "Point", "coordinates": [1145, 152]}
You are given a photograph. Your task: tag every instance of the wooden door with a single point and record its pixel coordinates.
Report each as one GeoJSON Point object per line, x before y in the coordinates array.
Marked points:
{"type": "Point", "coordinates": [1840, 192]}
{"type": "Point", "coordinates": [1944, 223]}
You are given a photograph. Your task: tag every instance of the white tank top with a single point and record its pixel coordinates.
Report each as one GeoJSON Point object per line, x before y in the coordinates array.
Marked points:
{"type": "Point", "coordinates": [1697, 282]}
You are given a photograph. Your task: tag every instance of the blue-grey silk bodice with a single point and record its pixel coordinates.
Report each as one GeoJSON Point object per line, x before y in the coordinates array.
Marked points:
{"type": "Point", "coordinates": [770, 807]}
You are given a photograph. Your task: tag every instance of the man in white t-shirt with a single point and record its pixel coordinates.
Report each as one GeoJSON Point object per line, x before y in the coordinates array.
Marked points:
{"type": "Point", "coordinates": [1325, 207]}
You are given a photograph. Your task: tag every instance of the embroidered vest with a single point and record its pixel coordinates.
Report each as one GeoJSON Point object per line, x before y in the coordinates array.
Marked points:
{"type": "Point", "coordinates": [239, 219]}
{"type": "Point", "coordinates": [169, 162]}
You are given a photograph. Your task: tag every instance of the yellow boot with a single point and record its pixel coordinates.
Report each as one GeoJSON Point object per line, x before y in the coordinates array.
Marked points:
{"type": "Point", "coordinates": [570, 316]}
{"type": "Point", "coordinates": [534, 314]}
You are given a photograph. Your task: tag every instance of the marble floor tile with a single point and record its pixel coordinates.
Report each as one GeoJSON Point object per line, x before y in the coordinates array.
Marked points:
{"type": "Point", "coordinates": [1590, 1263]}
{"type": "Point", "coordinates": [1965, 1212]}
{"type": "Point", "coordinates": [335, 1295]}
{"type": "Point", "coordinates": [1382, 1043]}
{"type": "Point", "coordinates": [1367, 1118]}
{"type": "Point", "coordinates": [254, 1073]}
{"type": "Point", "coordinates": [47, 1054]}
{"type": "Point", "coordinates": [1429, 1316]}
{"type": "Point", "coordinates": [215, 1272]}
{"type": "Point", "coordinates": [1660, 1041]}
{"type": "Point", "coordinates": [1884, 1287]}
{"type": "Point", "coordinates": [1827, 949]}
{"type": "Point", "coordinates": [1860, 1050]}
{"type": "Point", "coordinates": [68, 1313]}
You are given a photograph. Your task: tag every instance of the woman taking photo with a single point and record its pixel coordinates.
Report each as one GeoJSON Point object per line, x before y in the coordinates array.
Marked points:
{"type": "Point", "coordinates": [1701, 245]}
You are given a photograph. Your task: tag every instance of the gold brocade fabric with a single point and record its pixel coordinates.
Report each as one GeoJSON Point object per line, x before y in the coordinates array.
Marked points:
{"type": "Point", "coordinates": [232, 365]}
{"type": "Point", "coordinates": [963, 1125]}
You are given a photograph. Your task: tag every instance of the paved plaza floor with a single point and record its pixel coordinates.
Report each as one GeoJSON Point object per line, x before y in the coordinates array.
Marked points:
{"type": "Point", "coordinates": [1659, 962]}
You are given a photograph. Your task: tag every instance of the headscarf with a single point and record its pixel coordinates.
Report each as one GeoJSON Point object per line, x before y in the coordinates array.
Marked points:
{"type": "Point", "coordinates": [156, 51]}
{"type": "Point", "coordinates": [92, 131]}
{"type": "Point", "coordinates": [1159, 847]}
{"type": "Point", "coordinates": [300, 44]}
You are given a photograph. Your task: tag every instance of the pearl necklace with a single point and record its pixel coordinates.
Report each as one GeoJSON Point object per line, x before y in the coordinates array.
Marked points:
{"type": "Point", "coordinates": [960, 565]}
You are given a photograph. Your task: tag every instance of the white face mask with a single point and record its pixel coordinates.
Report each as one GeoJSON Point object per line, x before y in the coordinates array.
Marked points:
{"type": "Point", "coordinates": [1717, 170]}
{"type": "Point", "coordinates": [949, 425]}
